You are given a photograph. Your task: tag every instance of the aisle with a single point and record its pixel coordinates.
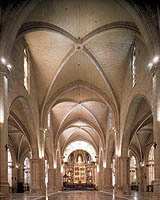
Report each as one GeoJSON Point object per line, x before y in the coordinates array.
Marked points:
{"type": "Point", "coordinates": [95, 195]}
{"type": "Point", "coordinates": [82, 195]}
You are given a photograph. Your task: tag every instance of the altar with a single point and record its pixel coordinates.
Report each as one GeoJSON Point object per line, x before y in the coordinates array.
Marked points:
{"type": "Point", "coordinates": [80, 169]}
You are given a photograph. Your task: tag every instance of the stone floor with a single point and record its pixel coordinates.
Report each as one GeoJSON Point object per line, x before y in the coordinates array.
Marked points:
{"type": "Point", "coordinates": [82, 195]}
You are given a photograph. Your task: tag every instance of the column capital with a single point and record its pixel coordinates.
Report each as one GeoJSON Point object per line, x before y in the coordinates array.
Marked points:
{"type": "Point", "coordinates": [4, 70]}
{"type": "Point", "coordinates": [44, 131]}
{"type": "Point", "coordinates": [154, 68]}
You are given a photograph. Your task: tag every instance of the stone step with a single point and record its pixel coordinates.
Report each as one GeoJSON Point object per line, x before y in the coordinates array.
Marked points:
{"type": "Point", "coordinates": [2, 196]}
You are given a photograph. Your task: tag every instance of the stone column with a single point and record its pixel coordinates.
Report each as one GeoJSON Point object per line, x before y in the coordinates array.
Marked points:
{"type": "Point", "coordinates": [96, 178]}
{"type": "Point", "coordinates": [59, 176]}
{"type": "Point", "coordinates": [101, 177]}
{"type": "Point", "coordinates": [93, 175]}
{"type": "Point", "coordinates": [38, 185]}
{"type": "Point", "coordinates": [141, 178]}
{"type": "Point", "coordinates": [123, 173]}
{"type": "Point", "coordinates": [117, 186]}
{"type": "Point", "coordinates": [108, 179]}
{"type": "Point", "coordinates": [52, 180]}
{"type": "Point", "coordinates": [4, 186]}
{"type": "Point", "coordinates": [38, 176]}
{"type": "Point", "coordinates": [156, 125]}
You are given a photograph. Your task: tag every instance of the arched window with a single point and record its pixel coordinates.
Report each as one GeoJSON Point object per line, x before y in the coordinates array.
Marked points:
{"type": "Point", "coordinates": [46, 172]}
{"type": "Point", "coordinates": [133, 170]}
{"type": "Point", "coordinates": [110, 120]}
{"type": "Point", "coordinates": [132, 65]}
{"type": "Point", "coordinates": [113, 172]}
{"type": "Point", "coordinates": [26, 173]}
{"type": "Point", "coordinates": [26, 71]}
{"type": "Point", "coordinates": [49, 120]}
{"type": "Point", "coordinates": [151, 165]}
{"type": "Point", "coordinates": [9, 168]}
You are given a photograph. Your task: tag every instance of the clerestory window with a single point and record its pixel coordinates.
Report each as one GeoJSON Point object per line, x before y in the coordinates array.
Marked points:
{"type": "Point", "coordinates": [49, 120]}
{"type": "Point", "coordinates": [151, 165]}
{"type": "Point", "coordinates": [133, 65]}
{"type": "Point", "coordinates": [26, 71]}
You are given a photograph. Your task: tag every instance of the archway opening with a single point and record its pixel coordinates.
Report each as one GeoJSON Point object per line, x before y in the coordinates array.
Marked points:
{"type": "Point", "coordinates": [79, 145]}
{"type": "Point", "coordinates": [113, 171]}
{"type": "Point", "coordinates": [133, 173]}
{"type": "Point", "coordinates": [27, 176]}
{"type": "Point", "coordinates": [79, 166]}
{"type": "Point", "coordinates": [46, 172]}
{"type": "Point", "coordinates": [10, 166]}
{"type": "Point", "coordinates": [150, 170]}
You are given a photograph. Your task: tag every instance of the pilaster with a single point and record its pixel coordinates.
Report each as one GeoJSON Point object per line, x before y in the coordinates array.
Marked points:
{"type": "Point", "coordinates": [108, 179]}
{"type": "Point", "coordinates": [59, 178]}
{"type": "Point", "coordinates": [38, 176]}
{"type": "Point", "coordinates": [4, 186]}
{"type": "Point", "coordinates": [156, 125]}
{"type": "Point", "coordinates": [142, 178]}
{"type": "Point", "coordinates": [101, 178]}
{"type": "Point", "coordinates": [123, 187]}
{"type": "Point", "coordinates": [52, 180]}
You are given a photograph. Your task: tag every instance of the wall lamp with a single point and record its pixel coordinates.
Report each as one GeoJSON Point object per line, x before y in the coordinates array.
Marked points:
{"type": "Point", "coordinates": [6, 147]}
{"type": "Point", "coordinates": [155, 145]}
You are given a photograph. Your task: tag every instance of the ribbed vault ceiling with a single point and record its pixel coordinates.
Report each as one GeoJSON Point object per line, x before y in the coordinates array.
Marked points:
{"type": "Point", "coordinates": [73, 42]}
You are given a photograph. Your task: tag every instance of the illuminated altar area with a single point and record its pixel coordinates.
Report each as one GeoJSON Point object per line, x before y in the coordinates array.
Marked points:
{"type": "Point", "coordinates": [79, 165]}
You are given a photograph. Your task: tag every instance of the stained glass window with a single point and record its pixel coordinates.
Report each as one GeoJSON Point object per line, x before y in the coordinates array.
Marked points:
{"type": "Point", "coordinates": [133, 65]}
{"type": "Point", "coordinates": [26, 71]}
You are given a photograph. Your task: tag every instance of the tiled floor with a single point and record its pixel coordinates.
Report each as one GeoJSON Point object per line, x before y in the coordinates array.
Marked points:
{"type": "Point", "coordinates": [82, 195]}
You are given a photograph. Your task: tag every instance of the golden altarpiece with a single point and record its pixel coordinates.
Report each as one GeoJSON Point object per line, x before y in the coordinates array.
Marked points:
{"type": "Point", "coordinates": [79, 168]}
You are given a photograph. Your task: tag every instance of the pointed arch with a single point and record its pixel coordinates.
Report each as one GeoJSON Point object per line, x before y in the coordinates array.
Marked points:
{"type": "Point", "coordinates": [29, 128]}
{"type": "Point", "coordinates": [131, 122]}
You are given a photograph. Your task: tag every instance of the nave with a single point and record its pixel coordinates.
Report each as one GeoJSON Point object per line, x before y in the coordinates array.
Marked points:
{"type": "Point", "coordinates": [79, 99]}
{"type": "Point", "coordinates": [84, 195]}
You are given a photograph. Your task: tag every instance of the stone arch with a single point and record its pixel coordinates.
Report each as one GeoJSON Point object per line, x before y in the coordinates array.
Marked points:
{"type": "Point", "coordinates": [16, 13]}
{"type": "Point", "coordinates": [28, 129]}
{"type": "Point", "coordinates": [80, 140]}
{"type": "Point", "coordinates": [133, 109]}
{"type": "Point", "coordinates": [75, 120]}
{"type": "Point", "coordinates": [133, 151]}
{"type": "Point", "coordinates": [147, 152]}
{"type": "Point", "coordinates": [53, 101]}
{"type": "Point", "coordinates": [24, 155]}
{"type": "Point", "coordinates": [11, 149]}
{"type": "Point", "coordinates": [146, 28]}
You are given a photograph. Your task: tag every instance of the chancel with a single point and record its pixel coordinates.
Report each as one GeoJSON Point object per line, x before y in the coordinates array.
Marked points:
{"type": "Point", "coordinates": [79, 99]}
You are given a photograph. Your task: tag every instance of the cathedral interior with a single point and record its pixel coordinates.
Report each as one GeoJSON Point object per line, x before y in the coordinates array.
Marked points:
{"type": "Point", "coordinates": [79, 99]}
